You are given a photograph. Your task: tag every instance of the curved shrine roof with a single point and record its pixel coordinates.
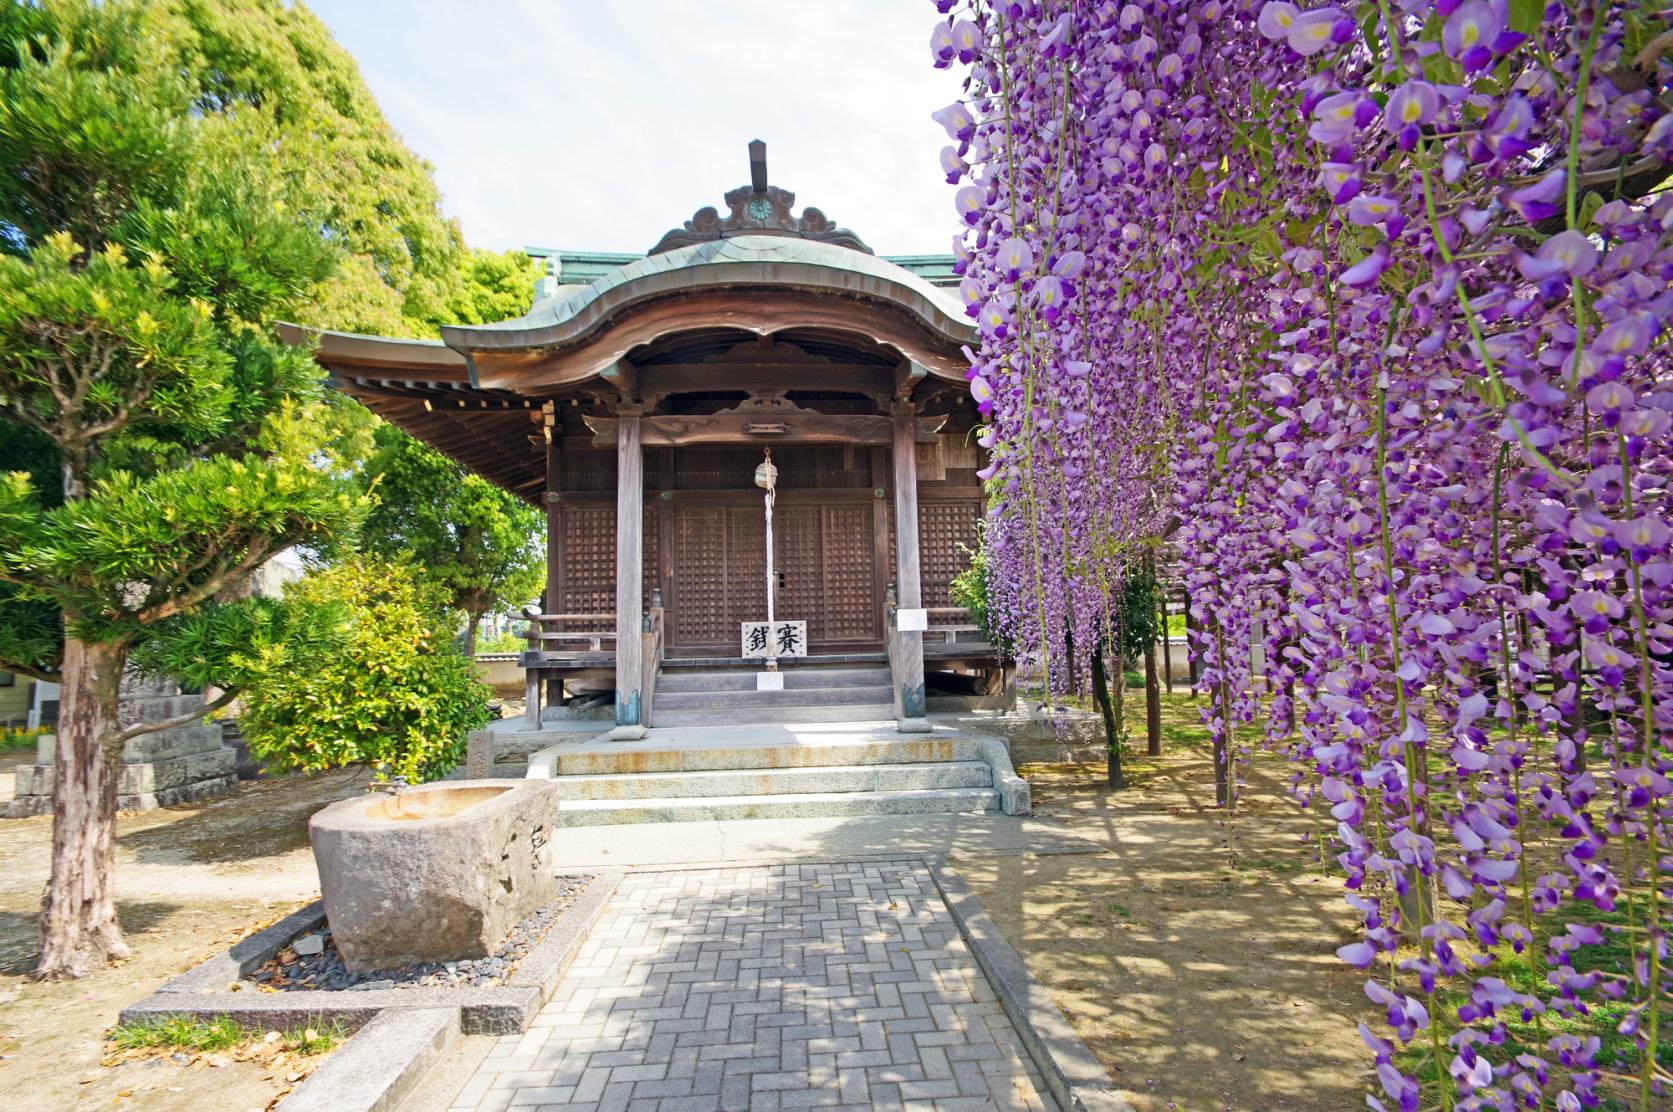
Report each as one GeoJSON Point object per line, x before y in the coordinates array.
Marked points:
{"type": "Point", "coordinates": [759, 283]}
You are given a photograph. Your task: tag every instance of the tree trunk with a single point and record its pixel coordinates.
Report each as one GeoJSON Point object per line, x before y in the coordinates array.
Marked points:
{"type": "Point", "coordinates": [1112, 734]}
{"type": "Point", "coordinates": [1167, 647]}
{"type": "Point", "coordinates": [472, 620]}
{"type": "Point", "coordinates": [1190, 649]}
{"type": "Point", "coordinates": [1152, 702]}
{"type": "Point", "coordinates": [1223, 740]}
{"type": "Point", "coordinates": [79, 932]}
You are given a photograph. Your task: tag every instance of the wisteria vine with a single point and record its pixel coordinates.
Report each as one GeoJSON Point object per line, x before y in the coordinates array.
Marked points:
{"type": "Point", "coordinates": [1361, 311]}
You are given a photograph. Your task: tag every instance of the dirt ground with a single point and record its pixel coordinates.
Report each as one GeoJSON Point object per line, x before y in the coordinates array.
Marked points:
{"type": "Point", "coordinates": [1201, 981]}
{"type": "Point", "coordinates": [191, 880]}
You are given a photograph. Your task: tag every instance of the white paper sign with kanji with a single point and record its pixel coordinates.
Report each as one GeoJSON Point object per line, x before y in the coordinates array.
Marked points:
{"type": "Point", "coordinates": [763, 639]}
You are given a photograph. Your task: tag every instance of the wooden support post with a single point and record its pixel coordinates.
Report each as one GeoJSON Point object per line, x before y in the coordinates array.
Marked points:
{"type": "Point", "coordinates": [554, 538]}
{"type": "Point", "coordinates": [630, 555]}
{"type": "Point", "coordinates": [531, 676]}
{"type": "Point", "coordinates": [910, 703]}
{"type": "Point", "coordinates": [554, 520]}
{"type": "Point", "coordinates": [1167, 642]}
{"type": "Point", "coordinates": [1152, 693]}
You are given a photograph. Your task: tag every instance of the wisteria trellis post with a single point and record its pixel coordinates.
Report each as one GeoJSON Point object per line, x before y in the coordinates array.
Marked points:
{"type": "Point", "coordinates": [1375, 298]}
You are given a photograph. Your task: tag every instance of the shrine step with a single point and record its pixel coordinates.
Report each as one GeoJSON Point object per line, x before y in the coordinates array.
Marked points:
{"type": "Point", "coordinates": [604, 812]}
{"type": "Point", "coordinates": [703, 751]}
{"type": "Point", "coordinates": [877, 696]}
{"type": "Point", "coordinates": [813, 780]}
{"type": "Point", "coordinates": [879, 713]}
{"type": "Point", "coordinates": [796, 677]}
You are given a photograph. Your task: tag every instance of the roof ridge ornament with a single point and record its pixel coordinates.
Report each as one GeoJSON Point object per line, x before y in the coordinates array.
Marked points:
{"type": "Point", "coordinates": [759, 209]}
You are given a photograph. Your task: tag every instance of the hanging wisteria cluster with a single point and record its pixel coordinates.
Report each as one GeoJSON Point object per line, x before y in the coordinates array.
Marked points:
{"type": "Point", "coordinates": [1363, 309]}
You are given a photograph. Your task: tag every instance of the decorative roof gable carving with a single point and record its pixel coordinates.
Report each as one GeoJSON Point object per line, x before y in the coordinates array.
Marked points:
{"type": "Point", "coordinates": [759, 209]}
{"type": "Point", "coordinates": [768, 350]}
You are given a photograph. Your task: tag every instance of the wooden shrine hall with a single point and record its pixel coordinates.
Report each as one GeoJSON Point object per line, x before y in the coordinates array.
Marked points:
{"type": "Point", "coordinates": [636, 410]}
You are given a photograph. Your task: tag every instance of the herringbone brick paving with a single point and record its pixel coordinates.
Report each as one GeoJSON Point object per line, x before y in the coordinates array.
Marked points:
{"type": "Point", "coordinates": [839, 985]}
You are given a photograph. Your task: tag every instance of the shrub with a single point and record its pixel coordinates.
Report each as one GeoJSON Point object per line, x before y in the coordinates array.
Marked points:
{"type": "Point", "coordinates": [20, 737]}
{"type": "Point", "coordinates": [388, 689]}
{"type": "Point", "coordinates": [505, 642]}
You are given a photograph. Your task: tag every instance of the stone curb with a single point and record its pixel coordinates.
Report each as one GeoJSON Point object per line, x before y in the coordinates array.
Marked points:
{"type": "Point", "coordinates": [1071, 1072]}
{"type": "Point", "coordinates": [500, 1010]}
{"type": "Point", "coordinates": [1015, 796]}
{"type": "Point", "coordinates": [497, 1010]}
{"type": "Point", "coordinates": [215, 973]}
{"type": "Point", "coordinates": [544, 966]}
{"type": "Point", "coordinates": [377, 1069]}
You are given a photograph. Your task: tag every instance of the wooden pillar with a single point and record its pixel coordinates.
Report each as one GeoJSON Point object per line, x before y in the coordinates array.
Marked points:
{"type": "Point", "coordinates": [554, 518]}
{"type": "Point", "coordinates": [553, 600]}
{"type": "Point", "coordinates": [910, 704]}
{"type": "Point", "coordinates": [630, 555]}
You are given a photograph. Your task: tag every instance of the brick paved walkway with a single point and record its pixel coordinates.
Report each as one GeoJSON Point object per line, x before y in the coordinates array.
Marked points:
{"type": "Point", "coordinates": [821, 985]}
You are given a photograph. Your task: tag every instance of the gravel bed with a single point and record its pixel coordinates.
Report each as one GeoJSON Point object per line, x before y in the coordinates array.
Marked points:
{"type": "Point", "coordinates": [294, 969]}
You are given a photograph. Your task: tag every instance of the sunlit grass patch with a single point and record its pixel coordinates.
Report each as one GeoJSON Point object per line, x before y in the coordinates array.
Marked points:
{"type": "Point", "coordinates": [315, 1040]}
{"type": "Point", "coordinates": [178, 1032]}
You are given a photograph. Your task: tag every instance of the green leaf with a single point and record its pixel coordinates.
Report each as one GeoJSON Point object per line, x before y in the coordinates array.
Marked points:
{"type": "Point", "coordinates": [1525, 15]}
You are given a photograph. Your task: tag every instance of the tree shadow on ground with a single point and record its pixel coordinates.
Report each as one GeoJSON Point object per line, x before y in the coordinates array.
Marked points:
{"type": "Point", "coordinates": [20, 932]}
{"type": "Point", "coordinates": [265, 818]}
{"type": "Point", "coordinates": [1196, 960]}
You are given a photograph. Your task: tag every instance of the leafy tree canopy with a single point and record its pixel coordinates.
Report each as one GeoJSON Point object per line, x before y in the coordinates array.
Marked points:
{"type": "Point", "coordinates": [164, 442]}
{"type": "Point", "coordinates": [274, 71]}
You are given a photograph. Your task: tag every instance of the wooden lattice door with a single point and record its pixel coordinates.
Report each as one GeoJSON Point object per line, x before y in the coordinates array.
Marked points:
{"type": "Point", "coordinates": [719, 575]}
{"type": "Point", "coordinates": [824, 556]}
{"type": "Point", "coordinates": [826, 575]}
{"type": "Point", "coordinates": [589, 563]}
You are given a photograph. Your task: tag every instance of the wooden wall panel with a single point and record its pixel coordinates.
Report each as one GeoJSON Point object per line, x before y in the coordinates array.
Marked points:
{"type": "Point", "coordinates": [746, 569]}
{"type": "Point", "coordinates": [849, 608]}
{"type": "Point", "coordinates": [945, 530]}
{"type": "Point", "coordinates": [699, 589]}
{"type": "Point", "coordinates": [589, 561]}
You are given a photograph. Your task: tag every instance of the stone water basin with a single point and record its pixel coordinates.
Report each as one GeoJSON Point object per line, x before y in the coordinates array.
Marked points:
{"type": "Point", "coordinates": [434, 873]}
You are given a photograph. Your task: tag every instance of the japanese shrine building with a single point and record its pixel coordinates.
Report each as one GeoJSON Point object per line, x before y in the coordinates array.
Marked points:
{"type": "Point", "coordinates": [633, 403]}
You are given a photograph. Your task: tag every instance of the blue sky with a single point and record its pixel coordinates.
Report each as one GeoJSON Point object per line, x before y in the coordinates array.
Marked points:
{"type": "Point", "coordinates": [600, 124]}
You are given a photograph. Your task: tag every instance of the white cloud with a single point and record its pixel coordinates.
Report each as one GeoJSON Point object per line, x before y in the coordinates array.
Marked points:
{"type": "Point", "coordinates": [593, 125]}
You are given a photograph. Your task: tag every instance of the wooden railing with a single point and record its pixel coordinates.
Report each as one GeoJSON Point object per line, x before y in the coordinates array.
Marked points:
{"type": "Point", "coordinates": [952, 625]}
{"type": "Point", "coordinates": [545, 629]}
{"type": "Point", "coordinates": [553, 649]}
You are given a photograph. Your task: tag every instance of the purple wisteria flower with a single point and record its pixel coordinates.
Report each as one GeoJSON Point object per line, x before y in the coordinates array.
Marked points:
{"type": "Point", "coordinates": [1306, 305]}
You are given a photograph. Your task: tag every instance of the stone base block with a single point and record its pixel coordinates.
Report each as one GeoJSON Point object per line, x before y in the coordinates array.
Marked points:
{"type": "Point", "coordinates": [23, 806]}
{"type": "Point", "coordinates": [149, 778]}
{"type": "Point", "coordinates": [434, 873]}
{"type": "Point", "coordinates": [162, 745]}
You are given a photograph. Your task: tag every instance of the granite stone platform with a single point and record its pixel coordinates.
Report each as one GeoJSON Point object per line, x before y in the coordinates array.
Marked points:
{"type": "Point", "coordinates": [789, 770]}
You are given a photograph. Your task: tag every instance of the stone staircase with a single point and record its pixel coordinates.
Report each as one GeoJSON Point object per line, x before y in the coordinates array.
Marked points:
{"type": "Point", "coordinates": [788, 771]}
{"type": "Point", "coordinates": [704, 695]}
